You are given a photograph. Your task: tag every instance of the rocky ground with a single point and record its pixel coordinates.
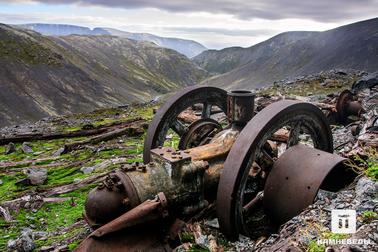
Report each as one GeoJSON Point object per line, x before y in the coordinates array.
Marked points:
{"type": "Point", "coordinates": [48, 167]}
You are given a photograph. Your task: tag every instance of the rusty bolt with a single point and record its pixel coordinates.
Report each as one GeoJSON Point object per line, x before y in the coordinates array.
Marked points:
{"type": "Point", "coordinates": [126, 201]}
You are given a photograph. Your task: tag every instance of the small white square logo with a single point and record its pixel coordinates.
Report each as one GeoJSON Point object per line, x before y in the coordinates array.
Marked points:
{"type": "Point", "coordinates": [343, 221]}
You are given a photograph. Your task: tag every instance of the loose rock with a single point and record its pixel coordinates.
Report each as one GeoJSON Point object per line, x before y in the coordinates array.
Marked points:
{"type": "Point", "coordinates": [26, 148]}
{"type": "Point", "coordinates": [24, 243]}
{"type": "Point", "coordinates": [10, 149]}
{"type": "Point", "coordinates": [36, 176]}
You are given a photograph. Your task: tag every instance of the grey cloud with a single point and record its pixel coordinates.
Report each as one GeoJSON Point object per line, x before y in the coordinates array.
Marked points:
{"type": "Point", "coordinates": [319, 10]}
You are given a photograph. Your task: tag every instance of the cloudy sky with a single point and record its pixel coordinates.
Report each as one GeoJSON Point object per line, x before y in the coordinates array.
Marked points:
{"type": "Point", "coordinates": [216, 24]}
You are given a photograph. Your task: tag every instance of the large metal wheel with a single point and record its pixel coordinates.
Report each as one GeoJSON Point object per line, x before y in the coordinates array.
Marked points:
{"type": "Point", "coordinates": [246, 168]}
{"type": "Point", "coordinates": [166, 116]}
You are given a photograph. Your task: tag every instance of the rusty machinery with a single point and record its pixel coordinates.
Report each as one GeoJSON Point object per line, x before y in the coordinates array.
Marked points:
{"type": "Point", "coordinates": [346, 105]}
{"type": "Point", "coordinates": [272, 162]}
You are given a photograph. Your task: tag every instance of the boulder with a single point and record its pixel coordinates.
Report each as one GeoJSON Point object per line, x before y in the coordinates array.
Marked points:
{"type": "Point", "coordinates": [367, 81]}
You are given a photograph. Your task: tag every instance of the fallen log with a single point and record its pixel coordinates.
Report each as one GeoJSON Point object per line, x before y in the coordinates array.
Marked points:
{"type": "Point", "coordinates": [79, 133]}
{"type": "Point", "coordinates": [34, 137]}
{"type": "Point", "coordinates": [132, 130]}
{"type": "Point", "coordinates": [21, 164]}
{"type": "Point", "coordinates": [74, 186]}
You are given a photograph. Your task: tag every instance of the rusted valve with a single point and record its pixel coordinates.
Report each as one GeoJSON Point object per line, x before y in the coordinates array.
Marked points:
{"type": "Point", "coordinates": [229, 164]}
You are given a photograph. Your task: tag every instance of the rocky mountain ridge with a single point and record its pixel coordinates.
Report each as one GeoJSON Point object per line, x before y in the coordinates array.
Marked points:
{"type": "Point", "coordinates": [42, 76]}
{"type": "Point", "coordinates": [290, 54]}
{"type": "Point", "coordinates": [190, 48]}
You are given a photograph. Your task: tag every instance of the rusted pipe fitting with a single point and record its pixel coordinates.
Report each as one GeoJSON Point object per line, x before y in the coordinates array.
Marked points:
{"type": "Point", "coordinates": [354, 108]}
{"type": "Point", "coordinates": [240, 106]}
{"type": "Point", "coordinates": [345, 106]}
{"type": "Point", "coordinates": [294, 182]}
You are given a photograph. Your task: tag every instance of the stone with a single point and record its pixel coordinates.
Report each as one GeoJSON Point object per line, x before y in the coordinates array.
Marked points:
{"type": "Point", "coordinates": [26, 148]}
{"type": "Point", "coordinates": [76, 180]}
{"type": "Point", "coordinates": [24, 243]}
{"type": "Point", "coordinates": [59, 152]}
{"type": "Point", "coordinates": [367, 81]}
{"type": "Point", "coordinates": [87, 170]}
{"type": "Point", "coordinates": [11, 147]}
{"type": "Point", "coordinates": [36, 176]}
{"type": "Point", "coordinates": [212, 223]}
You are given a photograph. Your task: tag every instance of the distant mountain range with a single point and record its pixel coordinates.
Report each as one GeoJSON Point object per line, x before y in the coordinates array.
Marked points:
{"type": "Point", "coordinates": [52, 75]}
{"type": "Point", "coordinates": [290, 54]}
{"type": "Point", "coordinates": [42, 76]}
{"type": "Point", "coordinates": [190, 48]}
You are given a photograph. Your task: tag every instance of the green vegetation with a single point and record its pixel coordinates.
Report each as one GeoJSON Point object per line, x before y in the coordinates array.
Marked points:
{"type": "Point", "coordinates": [367, 165]}
{"type": "Point", "coordinates": [369, 216]}
{"type": "Point", "coordinates": [313, 246]}
{"type": "Point", "coordinates": [25, 50]}
{"type": "Point", "coordinates": [307, 88]}
{"type": "Point", "coordinates": [58, 219]}
{"type": "Point", "coordinates": [50, 218]}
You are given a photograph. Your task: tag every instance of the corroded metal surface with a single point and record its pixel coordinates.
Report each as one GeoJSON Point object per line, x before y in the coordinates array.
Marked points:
{"type": "Point", "coordinates": [240, 106]}
{"type": "Point", "coordinates": [230, 165]}
{"type": "Point", "coordinates": [199, 133]}
{"type": "Point", "coordinates": [219, 146]}
{"type": "Point", "coordinates": [293, 183]}
{"type": "Point", "coordinates": [246, 149]}
{"type": "Point", "coordinates": [345, 106]}
{"type": "Point", "coordinates": [166, 116]}
{"type": "Point", "coordinates": [106, 202]}
{"type": "Point", "coordinates": [118, 236]}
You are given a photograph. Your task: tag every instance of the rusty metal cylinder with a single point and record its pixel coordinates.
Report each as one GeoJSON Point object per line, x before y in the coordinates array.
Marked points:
{"type": "Point", "coordinates": [354, 108]}
{"type": "Point", "coordinates": [240, 106]}
{"type": "Point", "coordinates": [296, 178]}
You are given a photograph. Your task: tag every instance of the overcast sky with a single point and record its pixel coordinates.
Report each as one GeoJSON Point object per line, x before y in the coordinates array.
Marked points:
{"type": "Point", "coordinates": [215, 24]}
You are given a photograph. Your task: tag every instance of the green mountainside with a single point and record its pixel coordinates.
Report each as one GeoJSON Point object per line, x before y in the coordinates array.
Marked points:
{"type": "Point", "coordinates": [43, 76]}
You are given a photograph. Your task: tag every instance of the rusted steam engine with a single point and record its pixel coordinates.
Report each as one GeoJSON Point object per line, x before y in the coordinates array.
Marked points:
{"type": "Point", "coordinates": [275, 160]}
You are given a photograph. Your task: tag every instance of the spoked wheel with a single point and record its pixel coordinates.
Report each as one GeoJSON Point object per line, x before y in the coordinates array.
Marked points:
{"type": "Point", "coordinates": [167, 116]}
{"type": "Point", "coordinates": [252, 156]}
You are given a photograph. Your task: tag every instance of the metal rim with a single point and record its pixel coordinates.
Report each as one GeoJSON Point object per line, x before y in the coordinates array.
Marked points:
{"type": "Point", "coordinates": [199, 132]}
{"type": "Point", "coordinates": [344, 97]}
{"type": "Point", "coordinates": [247, 146]}
{"type": "Point", "coordinates": [166, 116]}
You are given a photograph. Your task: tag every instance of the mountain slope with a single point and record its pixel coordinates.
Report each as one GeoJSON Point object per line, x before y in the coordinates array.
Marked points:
{"type": "Point", "coordinates": [43, 76]}
{"type": "Point", "coordinates": [290, 54]}
{"type": "Point", "coordinates": [222, 61]}
{"type": "Point", "coordinates": [190, 48]}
